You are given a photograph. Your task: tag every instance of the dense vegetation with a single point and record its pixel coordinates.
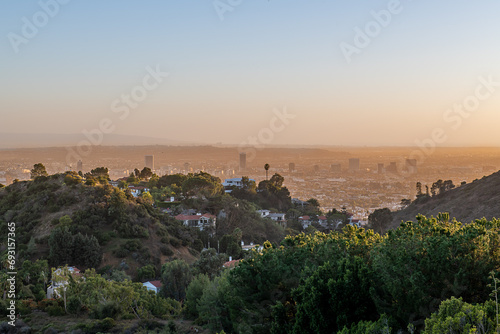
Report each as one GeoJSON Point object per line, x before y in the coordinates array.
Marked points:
{"type": "Point", "coordinates": [360, 282]}
{"type": "Point", "coordinates": [433, 275]}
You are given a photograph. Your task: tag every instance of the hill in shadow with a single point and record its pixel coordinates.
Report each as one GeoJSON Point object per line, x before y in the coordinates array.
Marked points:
{"type": "Point", "coordinates": [466, 203]}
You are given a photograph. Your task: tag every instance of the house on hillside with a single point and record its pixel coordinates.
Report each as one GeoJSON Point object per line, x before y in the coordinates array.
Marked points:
{"type": "Point", "coordinates": [137, 191]}
{"type": "Point", "coordinates": [57, 285]}
{"type": "Point", "coordinates": [276, 216]}
{"type": "Point", "coordinates": [231, 264]}
{"type": "Point", "coordinates": [305, 221]}
{"type": "Point", "coordinates": [228, 184]}
{"type": "Point", "coordinates": [154, 286]}
{"type": "Point", "coordinates": [251, 246]}
{"type": "Point", "coordinates": [201, 221]}
{"type": "Point", "coordinates": [323, 221]}
{"type": "Point", "coordinates": [354, 222]}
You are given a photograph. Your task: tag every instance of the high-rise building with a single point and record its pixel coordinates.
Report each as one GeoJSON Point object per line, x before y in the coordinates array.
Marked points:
{"type": "Point", "coordinates": [411, 165]}
{"type": "Point", "coordinates": [291, 167]}
{"type": "Point", "coordinates": [380, 168]}
{"type": "Point", "coordinates": [149, 161]}
{"type": "Point", "coordinates": [186, 167]}
{"type": "Point", "coordinates": [316, 168]}
{"type": "Point", "coordinates": [79, 166]}
{"type": "Point", "coordinates": [392, 168]}
{"type": "Point", "coordinates": [243, 161]}
{"type": "Point", "coordinates": [354, 164]}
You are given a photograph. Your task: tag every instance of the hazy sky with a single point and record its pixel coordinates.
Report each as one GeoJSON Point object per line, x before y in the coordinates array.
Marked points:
{"type": "Point", "coordinates": [231, 63]}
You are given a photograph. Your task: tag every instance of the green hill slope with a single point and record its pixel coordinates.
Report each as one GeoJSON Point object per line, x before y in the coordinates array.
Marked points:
{"type": "Point", "coordinates": [466, 203]}
{"type": "Point", "coordinates": [68, 222]}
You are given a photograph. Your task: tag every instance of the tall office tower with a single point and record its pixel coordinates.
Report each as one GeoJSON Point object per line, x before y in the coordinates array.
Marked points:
{"type": "Point", "coordinates": [392, 168]}
{"type": "Point", "coordinates": [186, 167]}
{"type": "Point", "coordinates": [316, 168]}
{"type": "Point", "coordinates": [354, 164]}
{"type": "Point", "coordinates": [243, 161]}
{"type": "Point", "coordinates": [291, 167]}
{"type": "Point", "coordinates": [79, 166]}
{"type": "Point", "coordinates": [411, 165]}
{"type": "Point", "coordinates": [149, 161]}
{"type": "Point", "coordinates": [335, 168]}
{"type": "Point", "coordinates": [380, 168]}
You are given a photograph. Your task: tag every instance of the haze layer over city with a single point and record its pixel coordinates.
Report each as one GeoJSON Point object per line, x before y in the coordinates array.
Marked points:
{"type": "Point", "coordinates": [249, 166]}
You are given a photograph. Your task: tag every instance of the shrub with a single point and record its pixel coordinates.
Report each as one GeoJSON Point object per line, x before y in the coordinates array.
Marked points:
{"type": "Point", "coordinates": [175, 242]}
{"type": "Point", "coordinates": [166, 251]}
{"type": "Point", "coordinates": [55, 311]}
{"type": "Point", "coordinates": [121, 253]}
{"type": "Point", "coordinates": [74, 305]}
{"type": "Point", "coordinates": [107, 310]}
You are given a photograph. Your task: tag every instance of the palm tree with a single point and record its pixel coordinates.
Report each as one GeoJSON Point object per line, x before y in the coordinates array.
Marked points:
{"type": "Point", "coordinates": [266, 167]}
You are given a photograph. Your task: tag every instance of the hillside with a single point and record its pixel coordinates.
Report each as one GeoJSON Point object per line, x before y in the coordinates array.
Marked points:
{"type": "Point", "coordinates": [466, 203]}
{"type": "Point", "coordinates": [128, 232]}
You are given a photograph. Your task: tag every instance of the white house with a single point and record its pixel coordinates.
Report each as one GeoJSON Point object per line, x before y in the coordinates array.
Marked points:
{"type": "Point", "coordinates": [276, 216]}
{"type": "Point", "coordinates": [305, 221]}
{"type": "Point", "coordinates": [201, 221]}
{"type": "Point", "coordinates": [228, 184]}
{"type": "Point", "coordinates": [251, 246]}
{"type": "Point", "coordinates": [263, 213]}
{"type": "Point", "coordinates": [153, 286]}
{"type": "Point", "coordinates": [137, 191]}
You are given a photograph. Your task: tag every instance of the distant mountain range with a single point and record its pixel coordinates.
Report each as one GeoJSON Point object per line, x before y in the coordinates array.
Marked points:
{"type": "Point", "coordinates": [20, 140]}
{"type": "Point", "coordinates": [466, 203]}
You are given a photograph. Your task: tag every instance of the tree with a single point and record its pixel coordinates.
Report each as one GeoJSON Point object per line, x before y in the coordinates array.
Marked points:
{"type": "Point", "coordinates": [379, 219]}
{"type": "Point", "coordinates": [448, 185]}
{"type": "Point", "coordinates": [419, 189]}
{"type": "Point", "coordinates": [147, 272]}
{"type": "Point", "coordinates": [266, 167]}
{"type": "Point", "coordinates": [194, 292]}
{"type": "Point", "coordinates": [146, 173]}
{"type": "Point", "coordinates": [405, 202]}
{"type": "Point", "coordinates": [38, 170]}
{"type": "Point", "coordinates": [72, 178]}
{"type": "Point", "coordinates": [176, 276]}
{"type": "Point", "coordinates": [66, 248]}
{"type": "Point", "coordinates": [210, 263]}
{"type": "Point", "coordinates": [169, 180]}
{"type": "Point", "coordinates": [334, 296]}
{"type": "Point", "coordinates": [456, 316]}
{"type": "Point", "coordinates": [147, 198]}
{"type": "Point", "coordinates": [100, 172]}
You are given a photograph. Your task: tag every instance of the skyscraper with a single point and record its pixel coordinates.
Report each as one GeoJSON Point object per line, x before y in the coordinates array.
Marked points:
{"type": "Point", "coordinates": [411, 165]}
{"type": "Point", "coordinates": [243, 161]}
{"type": "Point", "coordinates": [149, 161]}
{"type": "Point", "coordinates": [79, 166]}
{"type": "Point", "coordinates": [291, 167]}
{"type": "Point", "coordinates": [380, 168]}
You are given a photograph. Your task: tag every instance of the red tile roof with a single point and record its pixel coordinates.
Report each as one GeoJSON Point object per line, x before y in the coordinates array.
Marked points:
{"type": "Point", "coordinates": [156, 284]}
{"type": "Point", "coordinates": [231, 264]}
